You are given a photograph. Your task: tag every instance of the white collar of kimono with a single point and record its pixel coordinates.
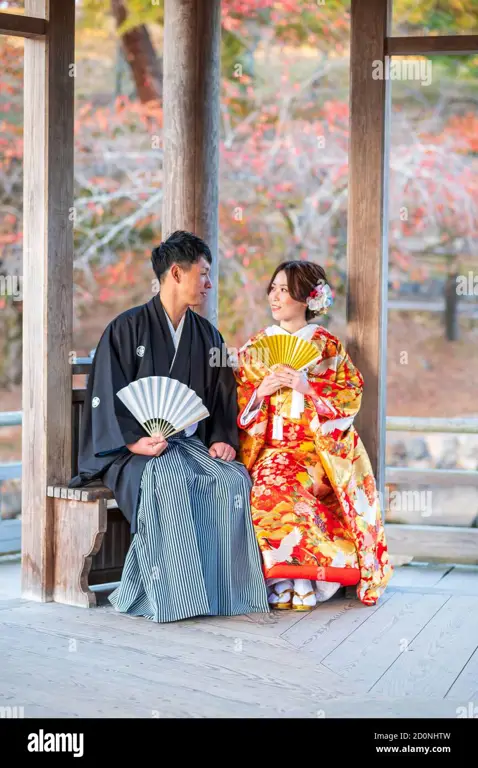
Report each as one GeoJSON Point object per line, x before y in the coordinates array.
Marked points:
{"type": "Point", "coordinates": [306, 332]}
{"type": "Point", "coordinates": [176, 334]}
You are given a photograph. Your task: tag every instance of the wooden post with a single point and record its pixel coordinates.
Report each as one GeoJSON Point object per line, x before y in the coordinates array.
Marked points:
{"type": "Point", "coordinates": [367, 252]}
{"type": "Point", "coordinates": [192, 38]}
{"type": "Point", "coordinates": [47, 284]}
{"type": "Point", "coordinates": [452, 325]}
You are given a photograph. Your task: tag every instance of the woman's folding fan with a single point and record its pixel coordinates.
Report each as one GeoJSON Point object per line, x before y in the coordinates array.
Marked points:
{"type": "Point", "coordinates": [164, 405]}
{"type": "Point", "coordinates": [282, 349]}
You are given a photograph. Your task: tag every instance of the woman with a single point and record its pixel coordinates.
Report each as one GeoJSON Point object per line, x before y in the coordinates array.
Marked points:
{"type": "Point", "coordinates": [314, 500]}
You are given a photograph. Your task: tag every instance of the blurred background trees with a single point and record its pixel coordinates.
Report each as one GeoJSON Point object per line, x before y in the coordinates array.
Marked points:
{"type": "Point", "coordinates": [284, 169]}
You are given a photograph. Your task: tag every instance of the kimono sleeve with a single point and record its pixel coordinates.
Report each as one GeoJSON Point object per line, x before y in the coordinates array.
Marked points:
{"type": "Point", "coordinates": [337, 387]}
{"type": "Point", "coordinates": [250, 413]}
{"type": "Point", "coordinates": [247, 383]}
{"type": "Point", "coordinates": [107, 425]}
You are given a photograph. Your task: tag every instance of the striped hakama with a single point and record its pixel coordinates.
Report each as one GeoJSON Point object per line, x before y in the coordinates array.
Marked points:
{"type": "Point", "coordinates": [195, 552]}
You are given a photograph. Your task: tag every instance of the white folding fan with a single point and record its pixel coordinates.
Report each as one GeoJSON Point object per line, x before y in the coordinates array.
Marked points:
{"type": "Point", "coordinates": [161, 404]}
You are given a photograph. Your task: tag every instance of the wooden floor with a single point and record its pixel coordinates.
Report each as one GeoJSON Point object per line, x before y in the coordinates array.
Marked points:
{"type": "Point", "coordinates": [415, 654]}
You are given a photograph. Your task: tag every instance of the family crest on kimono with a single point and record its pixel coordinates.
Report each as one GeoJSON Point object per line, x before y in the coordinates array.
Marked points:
{"type": "Point", "coordinates": [315, 505]}
{"type": "Point", "coordinates": [187, 498]}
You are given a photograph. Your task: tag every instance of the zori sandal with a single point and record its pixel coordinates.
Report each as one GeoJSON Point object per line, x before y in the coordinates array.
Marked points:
{"type": "Point", "coordinates": [302, 600]}
{"type": "Point", "coordinates": [280, 596]}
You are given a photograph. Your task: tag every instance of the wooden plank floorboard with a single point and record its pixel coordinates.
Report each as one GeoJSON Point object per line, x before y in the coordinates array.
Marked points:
{"type": "Point", "coordinates": [367, 653]}
{"type": "Point", "coordinates": [268, 625]}
{"type": "Point", "coordinates": [460, 581]}
{"type": "Point", "coordinates": [81, 693]}
{"type": "Point", "coordinates": [341, 660]}
{"type": "Point", "coordinates": [249, 664]}
{"type": "Point", "coordinates": [56, 692]}
{"type": "Point", "coordinates": [54, 689]}
{"type": "Point", "coordinates": [10, 604]}
{"type": "Point", "coordinates": [465, 687]}
{"type": "Point", "coordinates": [437, 655]}
{"type": "Point", "coordinates": [80, 667]}
{"type": "Point", "coordinates": [431, 591]}
{"type": "Point", "coordinates": [272, 624]}
{"type": "Point", "coordinates": [378, 707]}
{"type": "Point", "coordinates": [330, 624]}
{"type": "Point", "coordinates": [418, 576]}
{"type": "Point", "coordinates": [129, 631]}
{"type": "Point", "coordinates": [66, 688]}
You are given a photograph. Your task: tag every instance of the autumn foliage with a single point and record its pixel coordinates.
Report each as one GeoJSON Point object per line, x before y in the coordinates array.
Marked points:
{"type": "Point", "coordinates": [284, 167]}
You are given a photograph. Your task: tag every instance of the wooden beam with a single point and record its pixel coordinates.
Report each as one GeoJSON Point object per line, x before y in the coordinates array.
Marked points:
{"type": "Point", "coordinates": [15, 25]}
{"type": "Point", "coordinates": [454, 425]}
{"type": "Point", "coordinates": [439, 44]}
{"type": "Point", "coordinates": [431, 477]}
{"type": "Point", "coordinates": [367, 221]}
{"type": "Point", "coordinates": [192, 37]}
{"type": "Point", "coordinates": [433, 543]}
{"type": "Point", "coordinates": [48, 276]}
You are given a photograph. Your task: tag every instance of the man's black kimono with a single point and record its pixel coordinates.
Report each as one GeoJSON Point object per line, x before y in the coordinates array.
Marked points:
{"type": "Point", "coordinates": [135, 344]}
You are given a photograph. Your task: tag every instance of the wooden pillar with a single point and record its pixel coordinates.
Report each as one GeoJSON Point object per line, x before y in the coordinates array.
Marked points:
{"type": "Point", "coordinates": [367, 251]}
{"type": "Point", "coordinates": [47, 284]}
{"type": "Point", "coordinates": [192, 39]}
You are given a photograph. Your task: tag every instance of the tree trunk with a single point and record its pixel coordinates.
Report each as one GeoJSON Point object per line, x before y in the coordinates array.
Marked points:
{"type": "Point", "coordinates": [146, 67]}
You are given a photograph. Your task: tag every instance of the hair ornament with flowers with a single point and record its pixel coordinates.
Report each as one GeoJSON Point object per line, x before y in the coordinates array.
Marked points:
{"type": "Point", "coordinates": [321, 298]}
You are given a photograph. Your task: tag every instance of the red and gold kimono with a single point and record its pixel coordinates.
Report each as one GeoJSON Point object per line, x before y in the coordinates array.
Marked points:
{"type": "Point", "coordinates": [315, 505]}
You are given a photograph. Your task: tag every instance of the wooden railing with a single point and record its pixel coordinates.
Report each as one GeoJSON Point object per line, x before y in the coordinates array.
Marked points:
{"type": "Point", "coordinates": [394, 475]}
{"type": "Point", "coordinates": [13, 469]}
{"type": "Point", "coordinates": [393, 424]}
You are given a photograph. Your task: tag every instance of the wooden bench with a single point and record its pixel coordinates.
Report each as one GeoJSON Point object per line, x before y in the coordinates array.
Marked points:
{"type": "Point", "coordinates": [91, 535]}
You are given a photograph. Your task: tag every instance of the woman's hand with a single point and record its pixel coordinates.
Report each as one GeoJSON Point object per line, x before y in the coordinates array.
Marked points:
{"type": "Point", "coordinates": [268, 386]}
{"type": "Point", "coordinates": [149, 446]}
{"type": "Point", "coordinates": [288, 377]}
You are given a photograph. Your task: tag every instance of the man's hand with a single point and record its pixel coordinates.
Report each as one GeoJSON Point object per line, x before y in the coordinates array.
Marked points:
{"type": "Point", "coordinates": [222, 451]}
{"type": "Point", "coordinates": [149, 446]}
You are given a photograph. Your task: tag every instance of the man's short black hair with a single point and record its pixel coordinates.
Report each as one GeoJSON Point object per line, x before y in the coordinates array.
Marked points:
{"type": "Point", "coordinates": [181, 248]}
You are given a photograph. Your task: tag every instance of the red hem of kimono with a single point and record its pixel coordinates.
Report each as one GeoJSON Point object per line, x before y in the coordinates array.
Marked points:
{"type": "Point", "coordinates": [345, 576]}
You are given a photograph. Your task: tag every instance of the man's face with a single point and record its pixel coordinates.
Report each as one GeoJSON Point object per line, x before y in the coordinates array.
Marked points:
{"type": "Point", "coordinates": [195, 283]}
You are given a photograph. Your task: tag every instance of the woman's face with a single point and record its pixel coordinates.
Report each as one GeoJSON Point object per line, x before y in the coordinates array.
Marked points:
{"type": "Point", "coordinates": [283, 306]}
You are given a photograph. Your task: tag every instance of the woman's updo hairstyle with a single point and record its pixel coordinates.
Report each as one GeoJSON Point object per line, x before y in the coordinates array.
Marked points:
{"type": "Point", "coordinates": [302, 278]}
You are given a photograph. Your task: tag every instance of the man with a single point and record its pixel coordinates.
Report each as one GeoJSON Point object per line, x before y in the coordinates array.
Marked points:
{"type": "Point", "coordinates": [194, 550]}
